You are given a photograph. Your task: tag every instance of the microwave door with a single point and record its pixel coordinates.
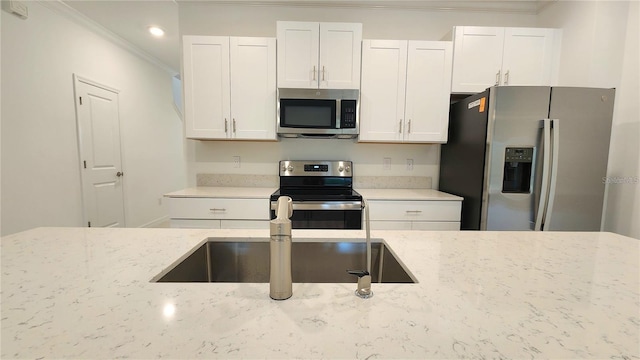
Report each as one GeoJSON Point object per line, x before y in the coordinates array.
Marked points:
{"type": "Point", "coordinates": [307, 114]}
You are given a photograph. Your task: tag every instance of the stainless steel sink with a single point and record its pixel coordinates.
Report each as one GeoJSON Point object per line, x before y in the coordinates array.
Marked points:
{"type": "Point", "coordinates": [230, 260]}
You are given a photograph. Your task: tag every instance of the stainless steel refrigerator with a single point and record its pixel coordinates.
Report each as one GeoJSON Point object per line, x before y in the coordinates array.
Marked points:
{"type": "Point", "coordinates": [529, 158]}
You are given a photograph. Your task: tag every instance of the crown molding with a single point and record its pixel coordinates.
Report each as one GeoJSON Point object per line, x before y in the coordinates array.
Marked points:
{"type": "Point", "coordinates": [60, 7]}
{"type": "Point", "coordinates": [529, 7]}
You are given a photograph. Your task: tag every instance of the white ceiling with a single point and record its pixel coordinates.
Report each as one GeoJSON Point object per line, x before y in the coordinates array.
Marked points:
{"type": "Point", "coordinates": [129, 19]}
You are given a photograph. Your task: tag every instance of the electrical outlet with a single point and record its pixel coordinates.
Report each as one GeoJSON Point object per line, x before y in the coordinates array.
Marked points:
{"type": "Point", "coordinates": [236, 161]}
{"type": "Point", "coordinates": [386, 163]}
{"type": "Point", "coordinates": [160, 200]}
{"type": "Point", "coordinates": [409, 164]}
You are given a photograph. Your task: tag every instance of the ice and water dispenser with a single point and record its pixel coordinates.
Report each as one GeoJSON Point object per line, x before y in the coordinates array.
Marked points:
{"type": "Point", "coordinates": [517, 170]}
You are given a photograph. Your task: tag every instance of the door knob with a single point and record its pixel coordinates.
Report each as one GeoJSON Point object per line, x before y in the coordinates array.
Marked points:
{"type": "Point", "coordinates": [119, 174]}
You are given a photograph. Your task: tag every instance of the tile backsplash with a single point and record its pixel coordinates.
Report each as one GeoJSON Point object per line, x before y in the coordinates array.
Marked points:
{"type": "Point", "coordinates": [273, 181]}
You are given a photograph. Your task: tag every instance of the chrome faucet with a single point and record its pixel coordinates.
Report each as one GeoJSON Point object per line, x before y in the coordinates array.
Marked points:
{"type": "Point", "coordinates": [364, 276]}
{"type": "Point", "coordinates": [280, 284]}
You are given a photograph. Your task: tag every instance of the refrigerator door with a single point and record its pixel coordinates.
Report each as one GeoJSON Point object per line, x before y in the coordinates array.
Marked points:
{"type": "Point", "coordinates": [583, 117]}
{"type": "Point", "coordinates": [462, 157]}
{"type": "Point", "coordinates": [509, 200]}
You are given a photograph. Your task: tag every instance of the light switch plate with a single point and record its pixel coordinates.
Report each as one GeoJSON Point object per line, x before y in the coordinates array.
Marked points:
{"type": "Point", "coordinates": [386, 163]}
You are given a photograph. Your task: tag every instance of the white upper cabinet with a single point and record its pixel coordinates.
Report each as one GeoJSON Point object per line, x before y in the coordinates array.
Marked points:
{"type": "Point", "coordinates": [488, 56]}
{"type": "Point", "coordinates": [206, 86]}
{"type": "Point", "coordinates": [229, 87]}
{"type": "Point", "coordinates": [405, 91]}
{"type": "Point", "coordinates": [253, 88]}
{"type": "Point", "coordinates": [428, 91]}
{"type": "Point", "coordinates": [528, 56]}
{"type": "Point", "coordinates": [382, 95]}
{"type": "Point", "coordinates": [315, 55]}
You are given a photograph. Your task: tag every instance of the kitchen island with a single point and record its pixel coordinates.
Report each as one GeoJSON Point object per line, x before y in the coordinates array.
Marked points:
{"type": "Point", "coordinates": [86, 293]}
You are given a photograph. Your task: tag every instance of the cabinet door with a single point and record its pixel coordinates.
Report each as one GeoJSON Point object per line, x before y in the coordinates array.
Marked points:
{"type": "Point", "coordinates": [253, 88]}
{"type": "Point", "coordinates": [528, 56]}
{"type": "Point", "coordinates": [428, 91]}
{"type": "Point", "coordinates": [298, 44]}
{"type": "Point", "coordinates": [382, 95]}
{"type": "Point", "coordinates": [206, 86]}
{"type": "Point", "coordinates": [477, 58]}
{"type": "Point", "coordinates": [340, 49]}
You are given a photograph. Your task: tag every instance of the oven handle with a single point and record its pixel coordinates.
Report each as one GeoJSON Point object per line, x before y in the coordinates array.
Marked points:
{"type": "Point", "coordinates": [323, 205]}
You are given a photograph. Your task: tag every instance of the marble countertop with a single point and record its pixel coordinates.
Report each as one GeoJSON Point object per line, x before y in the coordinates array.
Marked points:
{"type": "Point", "coordinates": [223, 192]}
{"type": "Point", "coordinates": [264, 193]}
{"type": "Point", "coordinates": [85, 293]}
{"type": "Point", "coordinates": [407, 194]}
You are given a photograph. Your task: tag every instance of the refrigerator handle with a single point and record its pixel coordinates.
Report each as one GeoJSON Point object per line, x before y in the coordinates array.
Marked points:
{"type": "Point", "coordinates": [546, 168]}
{"type": "Point", "coordinates": [555, 137]}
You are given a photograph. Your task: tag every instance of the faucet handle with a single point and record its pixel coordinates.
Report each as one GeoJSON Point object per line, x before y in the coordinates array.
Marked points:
{"type": "Point", "coordinates": [364, 283]}
{"type": "Point", "coordinates": [358, 273]}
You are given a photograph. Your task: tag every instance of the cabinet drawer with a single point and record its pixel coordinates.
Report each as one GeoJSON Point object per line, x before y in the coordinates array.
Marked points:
{"type": "Point", "coordinates": [224, 209]}
{"type": "Point", "coordinates": [415, 210]}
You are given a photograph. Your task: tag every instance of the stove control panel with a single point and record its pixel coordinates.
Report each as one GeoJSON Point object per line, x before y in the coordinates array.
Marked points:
{"type": "Point", "coordinates": [316, 168]}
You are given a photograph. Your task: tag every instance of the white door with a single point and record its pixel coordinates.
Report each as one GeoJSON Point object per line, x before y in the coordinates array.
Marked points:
{"type": "Point", "coordinates": [298, 44]}
{"type": "Point", "coordinates": [206, 87]}
{"type": "Point", "coordinates": [477, 58]}
{"type": "Point", "coordinates": [382, 95]}
{"type": "Point", "coordinates": [253, 88]}
{"type": "Point", "coordinates": [101, 166]}
{"type": "Point", "coordinates": [528, 56]}
{"type": "Point", "coordinates": [340, 51]}
{"type": "Point", "coordinates": [428, 91]}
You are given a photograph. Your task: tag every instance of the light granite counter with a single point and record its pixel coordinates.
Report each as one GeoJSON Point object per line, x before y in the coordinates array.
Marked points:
{"type": "Point", "coordinates": [407, 194]}
{"type": "Point", "coordinates": [223, 192]}
{"type": "Point", "coordinates": [85, 293]}
{"type": "Point", "coordinates": [260, 193]}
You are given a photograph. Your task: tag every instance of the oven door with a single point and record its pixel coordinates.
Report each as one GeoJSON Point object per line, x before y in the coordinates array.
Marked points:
{"type": "Point", "coordinates": [324, 214]}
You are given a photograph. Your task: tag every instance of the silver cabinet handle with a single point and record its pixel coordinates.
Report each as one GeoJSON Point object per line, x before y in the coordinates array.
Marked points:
{"type": "Point", "coordinates": [323, 73]}
{"type": "Point", "coordinates": [409, 127]}
{"type": "Point", "coordinates": [498, 78]}
{"type": "Point", "coordinates": [226, 125]}
{"type": "Point", "coordinates": [413, 211]}
{"type": "Point", "coordinates": [400, 131]}
{"type": "Point", "coordinates": [506, 78]}
{"type": "Point", "coordinates": [314, 73]}
{"type": "Point", "coordinates": [119, 174]}
{"type": "Point", "coordinates": [234, 125]}
{"type": "Point", "coordinates": [218, 210]}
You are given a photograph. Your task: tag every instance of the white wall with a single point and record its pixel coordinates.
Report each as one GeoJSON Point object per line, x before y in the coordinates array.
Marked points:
{"type": "Point", "coordinates": [600, 49]}
{"type": "Point", "coordinates": [40, 162]}
{"type": "Point", "coordinates": [0, 122]}
{"type": "Point", "coordinates": [261, 158]}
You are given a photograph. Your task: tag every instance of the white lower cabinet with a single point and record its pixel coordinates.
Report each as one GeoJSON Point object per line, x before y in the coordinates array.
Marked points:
{"type": "Point", "coordinates": [219, 213]}
{"type": "Point", "coordinates": [414, 214]}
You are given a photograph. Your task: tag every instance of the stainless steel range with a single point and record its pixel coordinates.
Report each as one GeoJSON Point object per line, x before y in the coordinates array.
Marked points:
{"type": "Point", "coordinates": [322, 194]}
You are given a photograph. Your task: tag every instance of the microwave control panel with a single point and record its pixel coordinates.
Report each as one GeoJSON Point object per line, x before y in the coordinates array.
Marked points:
{"type": "Point", "coordinates": [347, 114]}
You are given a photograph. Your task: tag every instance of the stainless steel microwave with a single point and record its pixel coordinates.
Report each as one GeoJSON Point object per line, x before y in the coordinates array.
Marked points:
{"type": "Point", "coordinates": [318, 113]}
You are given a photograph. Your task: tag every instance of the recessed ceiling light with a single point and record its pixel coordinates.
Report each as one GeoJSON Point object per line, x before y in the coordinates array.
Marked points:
{"type": "Point", "coordinates": [156, 31]}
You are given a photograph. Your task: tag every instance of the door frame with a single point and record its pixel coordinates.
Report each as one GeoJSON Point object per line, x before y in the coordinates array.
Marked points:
{"type": "Point", "coordinates": [77, 79]}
